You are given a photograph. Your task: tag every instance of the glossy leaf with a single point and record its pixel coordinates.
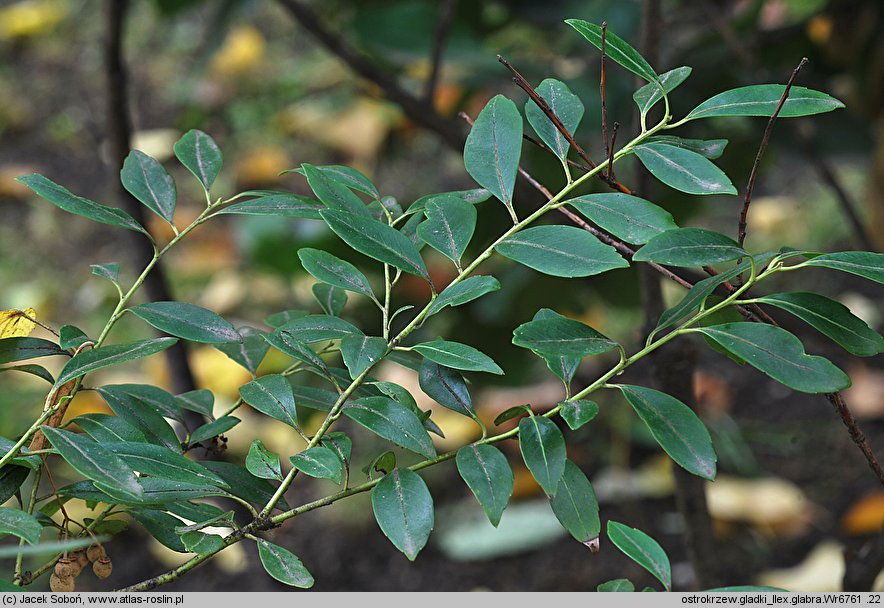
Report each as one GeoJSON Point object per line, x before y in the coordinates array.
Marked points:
{"type": "Point", "coordinates": [647, 96]}
{"type": "Point", "coordinates": [466, 291]}
{"type": "Point", "coordinates": [376, 240]}
{"type": "Point", "coordinates": [105, 428]}
{"type": "Point", "coordinates": [392, 421]}
{"type": "Point", "coordinates": [284, 341]}
{"type": "Point", "coordinates": [71, 337]}
{"type": "Point", "coordinates": [563, 367]}
{"type": "Point", "coordinates": [64, 199]}
{"type": "Point", "coordinates": [493, 148]}
{"type": "Point", "coordinates": [457, 356]}
{"type": "Point", "coordinates": [762, 100]}
{"type": "Point", "coordinates": [17, 522]}
{"type": "Point", "coordinates": [486, 471]}
{"type": "Point", "coordinates": [340, 444]}
{"type": "Point", "coordinates": [832, 319]}
{"type": "Point", "coordinates": [272, 395]}
{"type": "Point", "coordinates": [20, 349]}
{"type": "Point", "coordinates": [562, 251]}
{"type": "Point", "coordinates": [279, 319]}
{"type": "Point", "coordinates": [780, 355]}
{"type": "Point", "coordinates": [201, 401]}
{"type": "Point", "coordinates": [447, 387]}
{"type": "Point", "coordinates": [244, 484]}
{"type": "Point", "coordinates": [543, 449]}
{"type": "Point", "coordinates": [277, 204]}
{"type": "Point", "coordinates": [200, 155]}
{"type": "Point", "coordinates": [213, 429]}
{"type": "Point", "coordinates": [187, 321]}
{"type": "Point", "coordinates": [200, 543]}
{"type": "Point", "coordinates": [865, 264]}
{"type": "Point", "coordinates": [675, 427]}
{"type": "Point", "coordinates": [348, 177]}
{"type": "Point", "coordinates": [643, 550]}
{"type": "Point", "coordinates": [689, 247]}
{"type": "Point", "coordinates": [283, 565]}
{"type": "Point", "coordinates": [94, 461]}
{"type": "Point", "coordinates": [627, 217]}
{"type": "Point", "coordinates": [577, 413]}
{"type": "Point", "coordinates": [383, 464]}
{"type": "Point", "coordinates": [155, 490]}
{"type": "Point", "coordinates": [403, 508]}
{"type": "Point", "coordinates": [249, 351]}
{"type": "Point", "coordinates": [474, 196]}
{"type": "Point", "coordinates": [683, 169]}
{"type": "Point", "coordinates": [141, 415]}
{"type": "Point", "coordinates": [11, 479]}
{"type": "Point", "coordinates": [34, 370]}
{"type": "Point", "coordinates": [331, 299]}
{"type": "Point", "coordinates": [565, 104]}
{"type": "Point", "coordinates": [334, 194]}
{"type": "Point", "coordinates": [710, 148]}
{"type": "Point", "coordinates": [263, 463]}
{"type": "Point", "coordinates": [320, 462]}
{"type": "Point", "coordinates": [314, 398]}
{"type": "Point", "coordinates": [616, 49]}
{"type": "Point", "coordinates": [157, 461]}
{"type": "Point", "coordinates": [621, 585]}
{"type": "Point", "coordinates": [334, 271]}
{"type": "Point", "coordinates": [511, 413]}
{"type": "Point", "coordinates": [575, 505]}
{"type": "Point", "coordinates": [561, 337]}
{"type": "Point", "coordinates": [146, 179]}
{"type": "Point", "coordinates": [105, 356]}
{"type": "Point", "coordinates": [362, 352]}
{"type": "Point", "coordinates": [110, 271]}
{"type": "Point", "coordinates": [449, 227]}
{"type": "Point", "coordinates": [318, 328]}
{"type": "Point", "coordinates": [163, 402]}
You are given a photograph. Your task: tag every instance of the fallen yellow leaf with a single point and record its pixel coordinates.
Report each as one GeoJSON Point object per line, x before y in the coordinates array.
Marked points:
{"type": "Point", "coordinates": [866, 516]}
{"type": "Point", "coordinates": [17, 323]}
{"type": "Point", "coordinates": [30, 18]}
{"type": "Point", "coordinates": [242, 51]}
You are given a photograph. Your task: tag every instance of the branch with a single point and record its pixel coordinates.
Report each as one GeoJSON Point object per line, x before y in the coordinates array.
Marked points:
{"type": "Point", "coordinates": [608, 148]}
{"type": "Point", "coordinates": [446, 12]}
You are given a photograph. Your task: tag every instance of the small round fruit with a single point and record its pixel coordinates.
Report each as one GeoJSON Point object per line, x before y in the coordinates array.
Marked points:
{"type": "Point", "coordinates": [102, 567]}
{"type": "Point", "coordinates": [80, 558]}
{"type": "Point", "coordinates": [95, 552]}
{"type": "Point", "coordinates": [66, 567]}
{"type": "Point", "coordinates": [61, 583]}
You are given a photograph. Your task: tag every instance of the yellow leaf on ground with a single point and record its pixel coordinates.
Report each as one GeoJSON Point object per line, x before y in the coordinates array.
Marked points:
{"type": "Point", "coordinates": [17, 323]}
{"type": "Point", "coordinates": [30, 18]}
{"type": "Point", "coordinates": [866, 516]}
{"type": "Point", "coordinates": [242, 51]}
{"type": "Point", "coordinates": [774, 507]}
{"type": "Point", "coordinates": [822, 570]}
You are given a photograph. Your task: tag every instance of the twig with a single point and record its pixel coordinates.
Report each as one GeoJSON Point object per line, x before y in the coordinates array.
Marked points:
{"type": "Point", "coordinates": [609, 150]}
{"type": "Point", "coordinates": [747, 199]}
{"type": "Point", "coordinates": [446, 12]}
{"type": "Point", "coordinates": [856, 433]}
{"type": "Point", "coordinates": [610, 172]}
{"type": "Point", "coordinates": [546, 148]}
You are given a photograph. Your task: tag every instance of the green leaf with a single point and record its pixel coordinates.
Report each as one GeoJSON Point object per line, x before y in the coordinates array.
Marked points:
{"type": "Point", "coordinates": [832, 319]}
{"type": "Point", "coordinates": [278, 204]}
{"type": "Point", "coordinates": [285, 342]}
{"type": "Point", "coordinates": [200, 155]}
{"type": "Point", "coordinates": [493, 148]}
{"type": "Point", "coordinates": [575, 505]}
{"type": "Point", "coordinates": [320, 462]}
{"type": "Point", "coordinates": [213, 429]}
{"type": "Point", "coordinates": [278, 319]}
{"type": "Point", "coordinates": [676, 428]}
{"type": "Point", "coordinates": [314, 398]}
{"type": "Point", "coordinates": [488, 474]}
{"type": "Point", "coordinates": [340, 444]}
{"type": "Point", "coordinates": [762, 100]}
{"type": "Point", "coordinates": [616, 49]}
{"type": "Point", "coordinates": [627, 217]}
{"type": "Point", "coordinates": [383, 464]}
{"type": "Point", "coordinates": [64, 199]}
{"type": "Point", "coordinates": [19, 523]}
{"type": "Point", "coordinates": [104, 428]}
{"type": "Point", "coordinates": [617, 585]}
{"type": "Point", "coordinates": [146, 179]}
{"type": "Point", "coordinates": [200, 401]}
{"type": "Point", "coordinates": [446, 386]}
{"type": "Point", "coordinates": [19, 349]}
{"type": "Point", "coordinates": [362, 352]}
{"type": "Point", "coordinates": [683, 169]}
{"type": "Point", "coordinates": [283, 565]}
{"type": "Point", "coordinates": [249, 350]}
{"type": "Point", "coordinates": [562, 251]}
{"type": "Point", "coordinates": [160, 525]}
{"type": "Point", "coordinates": [474, 196]}
{"type": "Point", "coordinates": [577, 413]}
{"type": "Point", "coordinates": [105, 356]}
{"type": "Point", "coordinates": [466, 291]}
{"type": "Point", "coordinates": [376, 240]}
{"type": "Point", "coordinates": [71, 337]}
{"type": "Point", "coordinates": [647, 96]}
{"type": "Point", "coordinates": [35, 370]}
{"type": "Point", "coordinates": [861, 263]}
{"type": "Point", "coordinates": [157, 461]}
{"type": "Point", "coordinates": [11, 479]}
{"type": "Point", "coordinates": [457, 356]}
{"type": "Point", "coordinates": [403, 509]}
{"type": "Point", "coordinates": [780, 355]}
{"type": "Point", "coordinates": [543, 449]}
{"type": "Point", "coordinates": [392, 421]}
{"type": "Point", "coordinates": [187, 321]}
{"type": "Point", "coordinates": [331, 299]}
{"type": "Point", "coordinates": [348, 177]}
{"type": "Point", "coordinates": [449, 226]}
{"type": "Point", "coordinates": [317, 328]}
{"type": "Point", "coordinates": [155, 490]}
{"type": "Point", "coordinates": [200, 543]}
{"type": "Point", "coordinates": [689, 247]}
{"type": "Point", "coordinates": [512, 412]}
{"type": "Point", "coordinates": [94, 461]}
{"type": "Point", "coordinates": [163, 402]}
{"type": "Point", "coordinates": [565, 104]}
{"type": "Point", "coordinates": [263, 463]}
{"type": "Point", "coordinates": [643, 550]}
{"type": "Point", "coordinates": [245, 485]}
{"type": "Point", "coordinates": [142, 415]}
{"type": "Point", "coordinates": [219, 517]}
{"type": "Point", "coordinates": [710, 148]}
{"type": "Point", "coordinates": [110, 271]}
{"type": "Point", "coordinates": [334, 194]}
{"type": "Point", "coordinates": [334, 271]}
{"type": "Point", "coordinates": [561, 337]}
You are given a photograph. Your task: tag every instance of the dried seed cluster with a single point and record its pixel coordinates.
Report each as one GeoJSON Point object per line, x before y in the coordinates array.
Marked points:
{"type": "Point", "coordinates": [69, 567]}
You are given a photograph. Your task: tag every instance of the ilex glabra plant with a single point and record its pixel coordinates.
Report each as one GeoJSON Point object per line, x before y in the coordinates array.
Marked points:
{"type": "Point", "coordinates": [140, 462]}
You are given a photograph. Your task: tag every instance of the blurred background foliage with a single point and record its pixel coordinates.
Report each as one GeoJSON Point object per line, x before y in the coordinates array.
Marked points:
{"type": "Point", "coordinates": [255, 79]}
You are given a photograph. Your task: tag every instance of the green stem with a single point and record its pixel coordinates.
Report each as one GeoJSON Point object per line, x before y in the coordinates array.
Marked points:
{"type": "Point", "coordinates": [32, 502]}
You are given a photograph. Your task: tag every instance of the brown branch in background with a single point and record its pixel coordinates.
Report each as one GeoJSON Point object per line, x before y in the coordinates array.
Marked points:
{"type": "Point", "coordinates": [609, 150]}
{"type": "Point", "coordinates": [119, 133]}
{"type": "Point", "coordinates": [610, 171]}
{"type": "Point", "coordinates": [446, 12]}
{"type": "Point", "coordinates": [856, 433]}
{"type": "Point", "coordinates": [747, 199]}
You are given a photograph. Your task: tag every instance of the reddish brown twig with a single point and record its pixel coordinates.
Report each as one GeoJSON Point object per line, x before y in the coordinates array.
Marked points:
{"type": "Point", "coordinates": [609, 150]}
{"type": "Point", "coordinates": [747, 199]}
{"type": "Point", "coordinates": [610, 171]}
{"type": "Point", "coordinates": [855, 433]}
